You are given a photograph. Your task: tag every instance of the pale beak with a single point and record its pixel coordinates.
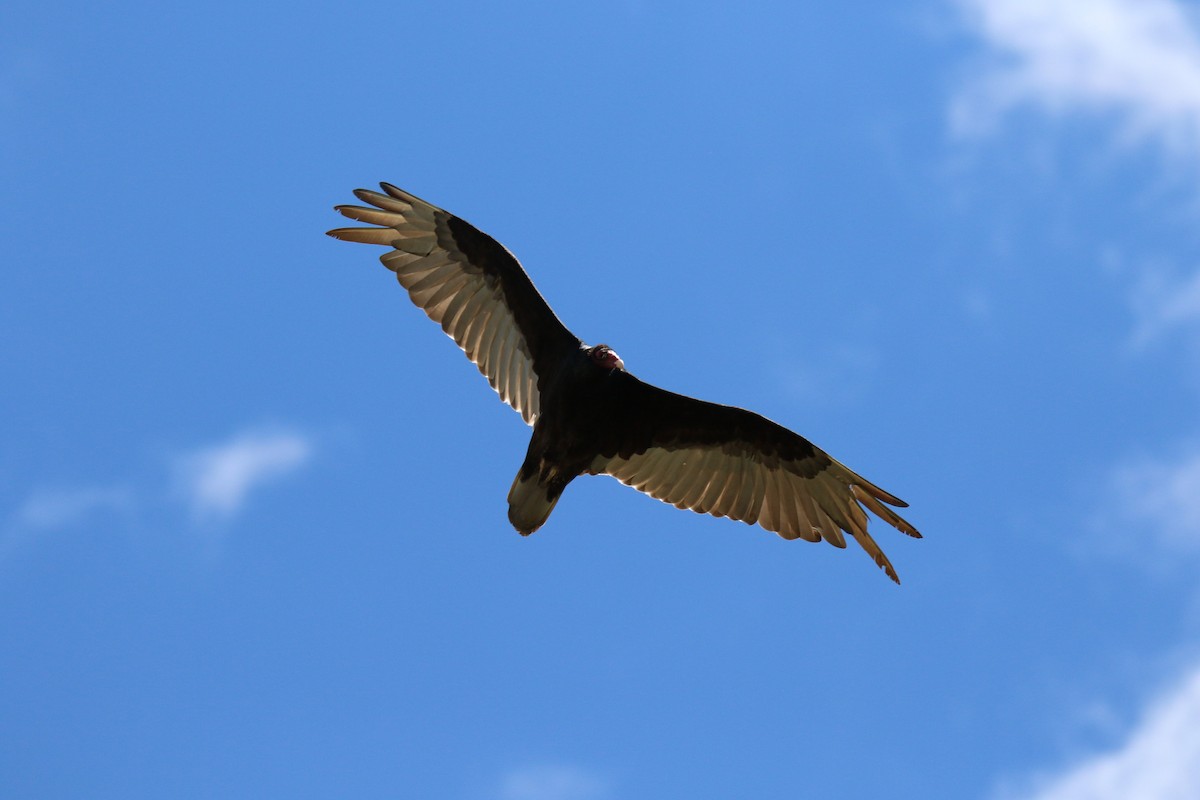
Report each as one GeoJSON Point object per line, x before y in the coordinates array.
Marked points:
{"type": "Point", "coordinates": [614, 361]}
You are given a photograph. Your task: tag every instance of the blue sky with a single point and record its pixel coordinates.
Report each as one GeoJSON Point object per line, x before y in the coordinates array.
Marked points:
{"type": "Point", "coordinates": [252, 502]}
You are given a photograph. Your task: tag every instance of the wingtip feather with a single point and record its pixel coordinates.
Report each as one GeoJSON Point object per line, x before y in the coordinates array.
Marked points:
{"type": "Point", "coordinates": [399, 194]}
{"type": "Point", "coordinates": [871, 501]}
{"type": "Point", "coordinates": [383, 236]}
{"type": "Point", "coordinates": [868, 543]}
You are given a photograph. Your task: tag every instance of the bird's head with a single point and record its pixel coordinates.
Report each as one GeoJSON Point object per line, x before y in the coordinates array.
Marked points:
{"type": "Point", "coordinates": [605, 357]}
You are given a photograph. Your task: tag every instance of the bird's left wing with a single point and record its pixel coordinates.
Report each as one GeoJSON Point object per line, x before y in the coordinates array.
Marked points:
{"type": "Point", "coordinates": [470, 284]}
{"type": "Point", "coordinates": [730, 462]}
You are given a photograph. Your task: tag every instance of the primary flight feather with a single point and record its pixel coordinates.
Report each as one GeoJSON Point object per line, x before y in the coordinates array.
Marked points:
{"type": "Point", "coordinates": [589, 415]}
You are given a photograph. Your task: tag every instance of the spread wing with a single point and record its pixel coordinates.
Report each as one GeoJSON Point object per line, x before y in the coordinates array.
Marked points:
{"type": "Point", "coordinates": [470, 284]}
{"type": "Point", "coordinates": [733, 463]}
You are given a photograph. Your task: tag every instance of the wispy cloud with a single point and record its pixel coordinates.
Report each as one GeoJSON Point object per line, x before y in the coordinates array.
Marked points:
{"type": "Point", "coordinates": [216, 480]}
{"type": "Point", "coordinates": [57, 508]}
{"type": "Point", "coordinates": [839, 372]}
{"type": "Point", "coordinates": [552, 782]}
{"type": "Point", "coordinates": [1159, 759]}
{"type": "Point", "coordinates": [1137, 59]}
{"type": "Point", "coordinates": [1163, 302]}
{"type": "Point", "coordinates": [1162, 499]}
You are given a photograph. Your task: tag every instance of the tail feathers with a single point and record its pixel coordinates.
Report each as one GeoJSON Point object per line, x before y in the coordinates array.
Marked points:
{"type": "Point", "coordinates": [530, 503]}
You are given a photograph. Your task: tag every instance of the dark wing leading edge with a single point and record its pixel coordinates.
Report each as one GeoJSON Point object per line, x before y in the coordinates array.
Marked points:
{"type": "Point", "coordinates": [470, 284]}
{"type": "Point", "coordinates": [730, 462]}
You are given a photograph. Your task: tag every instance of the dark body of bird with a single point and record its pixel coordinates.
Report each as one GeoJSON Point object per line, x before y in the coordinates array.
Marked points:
{"type": "Point", "coordinates": [591, 416]}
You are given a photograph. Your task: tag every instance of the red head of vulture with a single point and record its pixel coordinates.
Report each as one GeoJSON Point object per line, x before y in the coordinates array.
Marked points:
{"type": "Point", "coordinates": [589, 415]}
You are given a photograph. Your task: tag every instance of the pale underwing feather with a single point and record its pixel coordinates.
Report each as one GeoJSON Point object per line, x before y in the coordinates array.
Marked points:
{"type": "Point", "coordinates": [740, 485]}
{"type": "Point", "coordinates": [469, 302]}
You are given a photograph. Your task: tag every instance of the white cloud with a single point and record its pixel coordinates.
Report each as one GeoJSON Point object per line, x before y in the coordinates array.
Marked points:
{"type": "Point", "coordinates": [1162, 302]}
{"type": "Point", "coordinates": [552, 782]}
{"type": "Point", "coordinates": [216, 480]}
{"type": "Point", "coordinates": [1139, 59]}
{"type": "Point", "coordinates": [1162, 498]}
{"type": "Point", "coordinates": [1159, 760]}
{"type": "Point", "coordinates": [57, 508]}
{"type": "Point", "coordinates": [841, 371]}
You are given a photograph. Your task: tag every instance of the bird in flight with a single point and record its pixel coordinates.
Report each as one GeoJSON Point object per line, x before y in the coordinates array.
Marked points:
{"type": "Point", "coordinates": [589, 415]}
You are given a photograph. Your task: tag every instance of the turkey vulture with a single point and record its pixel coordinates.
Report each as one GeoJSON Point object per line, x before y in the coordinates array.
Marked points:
{"type": "Point", "coordinates": [589, 415]}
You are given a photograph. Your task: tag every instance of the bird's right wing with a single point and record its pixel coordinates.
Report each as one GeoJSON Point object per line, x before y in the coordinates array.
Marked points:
{"type": "Point", "coordinates": [730, 462]}
{"type": "Point", "coordinates": [470, 284]}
